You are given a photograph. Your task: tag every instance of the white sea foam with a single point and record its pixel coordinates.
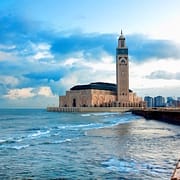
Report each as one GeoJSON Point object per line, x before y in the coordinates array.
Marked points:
{"type": "Point", "coordinates": [2, 141]}
{"type": "Point", "coordinates": [80, 126]}
{"type": "Point", "coordinates": [105, 113]}
{"type": "Point", "coordinates": [20, 147]}
{"type": "Point", "coordinates": [85, 115]}
{"type": "Point", "coordinates": [58, 141]}
{"type": "Point", "coordinates": [121, 165]}
{"type": "Point", "coordinates": [63, 141]}
{"type": "Point", "coordinates": [19, 140]}
{"type": "Point", "coordinates": [127, 166]}
{"type": "Point", "coordinates": [7, 141]}
{"type": "Point", "coordinates": [38, 134]}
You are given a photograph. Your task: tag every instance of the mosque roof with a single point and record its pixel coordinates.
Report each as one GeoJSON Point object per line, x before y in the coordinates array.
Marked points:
{"type": "Point", "coordinates": [97, 85]}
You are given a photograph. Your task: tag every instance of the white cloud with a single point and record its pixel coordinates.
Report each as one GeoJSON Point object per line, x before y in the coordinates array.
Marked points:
{"type": "Point", "coordinates": [42, 46]}
{"type": "Point", "coordinates": [25, 93]}
{"type": "Point", "coordinates": [9, 80]}
{"type": "Point", "coordinates": [69, 81]}
{"type": "Point", "coordinates": [104, 64]}
{"type": "Point", "coordinates": [45, 91]}
{"type": "Point", "coordinates": [42, 55]}
{"type": "Point", "coordinates": [39, 46]}
{"type": "Point", "coordinates": [20, 93]}
{"type": "Point", "coordinates": [168, 29]}
{"type": "Point", "coordinates": [71, 61]}
{"type": "Point", "coordinates": [87, 71]}
{"type": "Point", "coordinates": [7, 56]}
{"type": "Point", "coordinates": [139, 72]}
{"type": "Point", "coordinates": [7, 47]}
{"type": "Point", "coordinates": [40, 51]}
{"type": "Point", "coordinates": [139, 77]}
{"type": "Point", "coordinates": [163, 91]}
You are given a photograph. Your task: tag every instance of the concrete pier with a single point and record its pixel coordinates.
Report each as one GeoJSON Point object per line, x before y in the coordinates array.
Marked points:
{"type": "Point", "coordinates": [89, 109]}
{"type": "Point", "coordinates": [176, 173]}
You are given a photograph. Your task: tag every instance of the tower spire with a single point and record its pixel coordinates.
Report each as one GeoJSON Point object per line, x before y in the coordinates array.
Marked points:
{"type": "Point", "coordinates": [121, 41]}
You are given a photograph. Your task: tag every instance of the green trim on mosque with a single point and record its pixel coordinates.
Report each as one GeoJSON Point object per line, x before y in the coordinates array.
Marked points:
{"type": "Point", "coordinates": [120, 51]}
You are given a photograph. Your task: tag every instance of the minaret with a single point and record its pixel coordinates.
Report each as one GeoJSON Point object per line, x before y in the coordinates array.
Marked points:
{"type": "Point", "coordinates": [122, 70]}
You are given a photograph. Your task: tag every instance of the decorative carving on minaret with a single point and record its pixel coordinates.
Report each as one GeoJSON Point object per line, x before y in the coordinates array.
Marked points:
{"type": "Point", "coordinates": [122, 70]}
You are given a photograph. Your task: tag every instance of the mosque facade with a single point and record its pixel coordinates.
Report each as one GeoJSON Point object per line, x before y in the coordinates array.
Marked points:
{"type": "Point", "coordinates": [101, 94]}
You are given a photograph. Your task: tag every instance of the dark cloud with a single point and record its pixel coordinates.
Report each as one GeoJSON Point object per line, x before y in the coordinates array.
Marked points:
{"type": "Point", "coordinates": [49, 75]}
{"type": "Point", "coordinates": [164, 75]}
{"type": "Point", "coordinates": [88, 43]}
{"type": "Point", "coordinates": [141, 48]}
{"type": "Point", "coordinates": [21, 32]}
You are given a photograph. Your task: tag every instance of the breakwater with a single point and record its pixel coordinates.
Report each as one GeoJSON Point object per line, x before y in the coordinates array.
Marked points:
{"type": "Point", "coordinates": [162, 114]}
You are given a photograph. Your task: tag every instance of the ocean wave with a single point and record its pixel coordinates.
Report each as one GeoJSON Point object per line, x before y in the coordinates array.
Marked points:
{"type": "Point", "coordinates": [120, 165]}
{"type": "Point", "coordinates": [7, 141]}
{"type": "Point", "coordinates": [19, 147]}
{"type": "Point", "coordinates": [14, 147]}
{"type": "Point", "coordinates": [85, 115]}
{"type": "Point", "coordinates": [56, 142]}
{"type": "Point", "coordinates": [38, 134]}
{"type": "Point", "coordinates": [104, 114]}
{"type": "Point", "coordinates": [132, 166]}
{"type": "Point", "coordinates": [105, 122]}
{"type": "Point", "coordinates": [33, 129]}
{"type": "Point", "coordinates": [80, 126]}
{"type": "Point", "coordinates": [62, 141]}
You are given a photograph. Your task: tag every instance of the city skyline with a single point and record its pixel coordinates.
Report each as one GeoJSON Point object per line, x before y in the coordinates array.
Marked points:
{"type": "Point", "coordinates": [49, 46]}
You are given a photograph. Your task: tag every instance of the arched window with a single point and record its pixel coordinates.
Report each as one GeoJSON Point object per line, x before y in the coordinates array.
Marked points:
{"type": "Point", "coordinates": [123, 61]}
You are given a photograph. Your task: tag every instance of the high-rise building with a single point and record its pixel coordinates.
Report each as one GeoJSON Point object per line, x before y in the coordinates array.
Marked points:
{"type": "Point", "coordinates": [170, 101]}
{"type": "Point", "coordinates": [159, 101]}
{"type": "Point", "coordinates": [149, 101]}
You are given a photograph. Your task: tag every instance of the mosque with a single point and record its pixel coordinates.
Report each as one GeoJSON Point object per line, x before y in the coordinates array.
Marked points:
{"type": "Point", "coordinates": [101, 94]}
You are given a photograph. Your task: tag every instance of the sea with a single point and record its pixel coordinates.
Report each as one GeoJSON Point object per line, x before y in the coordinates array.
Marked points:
{"type": "Point", "coordinates": [36, 144]}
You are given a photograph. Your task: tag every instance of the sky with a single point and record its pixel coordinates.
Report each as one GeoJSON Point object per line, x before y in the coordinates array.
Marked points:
{"type": "Point", "coordinates": [48, 46]}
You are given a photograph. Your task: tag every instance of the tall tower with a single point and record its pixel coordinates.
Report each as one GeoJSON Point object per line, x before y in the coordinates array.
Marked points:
{"type": "Point", "coordinates": [122, 70]}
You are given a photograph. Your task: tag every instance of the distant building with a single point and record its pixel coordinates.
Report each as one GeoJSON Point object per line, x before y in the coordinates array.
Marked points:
{"type": "Point", "coordinates": [178, 102]}
{"type": "Point", "coordinates": [159, 101]}
{"type": "Point", "coordinates": [149, 101]}
{"type": "Point", "coordinates": [170, 102]}
{"type": "Point", "coordinates": [100, 94]}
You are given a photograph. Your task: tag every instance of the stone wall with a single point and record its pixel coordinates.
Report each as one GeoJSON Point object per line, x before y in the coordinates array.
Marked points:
{"type": "Point", "coordinates": [86, 98]}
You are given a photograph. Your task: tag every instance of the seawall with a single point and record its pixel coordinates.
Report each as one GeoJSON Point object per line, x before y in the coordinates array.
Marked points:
{"type": "Point", "coordinates": [167, 115]}
{"type": "Point", "coordinates": [89, 109]}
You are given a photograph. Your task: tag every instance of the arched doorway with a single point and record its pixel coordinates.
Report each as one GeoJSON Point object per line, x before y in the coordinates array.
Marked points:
{"type": "Point", "coordinates": [74, 102]}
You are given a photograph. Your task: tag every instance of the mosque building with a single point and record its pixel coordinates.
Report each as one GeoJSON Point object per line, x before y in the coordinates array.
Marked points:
{"type": "Point", "coordinates": [100, 94]}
